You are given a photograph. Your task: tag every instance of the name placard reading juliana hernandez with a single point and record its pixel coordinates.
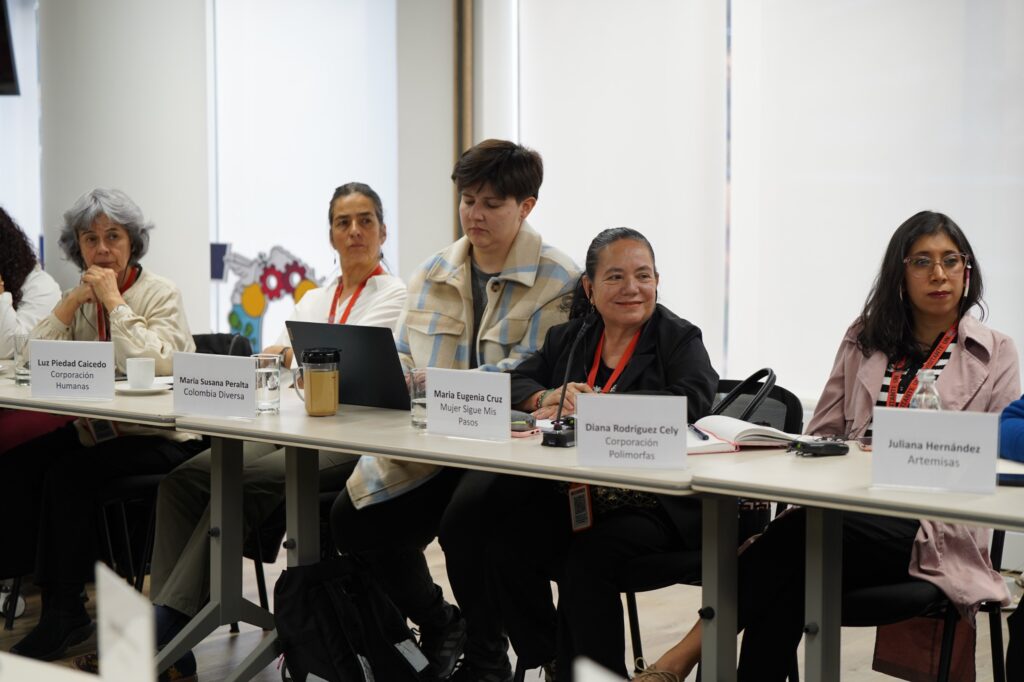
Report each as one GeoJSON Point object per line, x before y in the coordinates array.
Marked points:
{"type": "Point", "coordinates": [935, 450]}
{"type": "Point", "coordinates": [72, 369]}
{"type": "Point", "coordinates": [214, 385]}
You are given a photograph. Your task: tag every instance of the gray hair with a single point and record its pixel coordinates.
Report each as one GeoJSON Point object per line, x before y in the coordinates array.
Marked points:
{"type": "Point", "coordinates": [114, 204]}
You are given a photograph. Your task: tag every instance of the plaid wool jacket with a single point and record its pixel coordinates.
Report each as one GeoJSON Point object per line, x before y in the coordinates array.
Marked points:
{"type": "Point", "coordinates": [436, 328]}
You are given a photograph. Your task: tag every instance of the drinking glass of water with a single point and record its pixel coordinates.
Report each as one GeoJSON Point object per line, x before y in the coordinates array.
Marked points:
{"type": "Point", "coordinates": [417, 380]}
{"type": "Point", "coordinates": [22, 372]}
{"type": "Point", "coordinates": [268, 383]}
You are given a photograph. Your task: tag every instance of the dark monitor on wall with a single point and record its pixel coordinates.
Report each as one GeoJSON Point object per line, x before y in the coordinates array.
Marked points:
{"type": "Point", "coordinates": [8, 72]}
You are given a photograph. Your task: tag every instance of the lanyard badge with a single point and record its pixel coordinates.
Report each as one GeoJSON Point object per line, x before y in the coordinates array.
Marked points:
{"type": "Point", "coordinates": [581, 510]}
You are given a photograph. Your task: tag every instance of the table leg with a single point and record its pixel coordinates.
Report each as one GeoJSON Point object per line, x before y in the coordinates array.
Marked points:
{"type": "Point", "coordinates": [718, 614]}
{"type": "Point", "coordinates": [302, 509]}
{"type": "Point", "coordinates": [823, 596]}
{"type": "Point", "coordinates": [226, 602]}
{"type": "Point", "coordinates": [302, 505]}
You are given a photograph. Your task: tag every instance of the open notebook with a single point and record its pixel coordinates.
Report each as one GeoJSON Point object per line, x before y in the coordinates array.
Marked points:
{"type": "Point", "coordinates": [728, 434]}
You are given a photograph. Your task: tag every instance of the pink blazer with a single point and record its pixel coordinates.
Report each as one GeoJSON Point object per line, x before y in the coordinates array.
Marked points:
{"type": "Point", "coordinates": [982, 376]}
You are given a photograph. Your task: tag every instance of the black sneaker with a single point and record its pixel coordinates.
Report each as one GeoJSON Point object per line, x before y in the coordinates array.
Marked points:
{"type": "Point", "coordinates": [470, 672]}
{"type": "Point", "coordinates": [55, 632]}
{"type": "Point", "coordinates": [442, 646]}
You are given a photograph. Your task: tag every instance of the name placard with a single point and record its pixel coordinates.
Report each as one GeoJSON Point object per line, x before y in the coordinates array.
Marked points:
{"type": "Point", "coordinates": [214, 385]}
{"type": "Point", "coordinates": [936, 450]}
{"type": "Point", "coordinates": [631, 431]}
{"type": "Point", "coordinates": [72, 369]}
{"type": "Point", "coordinates": [125, 629]}
{"type": "Point", "coordinates": [469, 404]}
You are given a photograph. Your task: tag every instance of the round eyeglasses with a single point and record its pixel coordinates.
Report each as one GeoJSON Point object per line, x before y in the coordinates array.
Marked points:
{"type": "Point", "coordinates": [952, 263]}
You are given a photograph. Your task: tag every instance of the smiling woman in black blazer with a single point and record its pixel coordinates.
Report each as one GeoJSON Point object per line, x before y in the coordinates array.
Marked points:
{"type": "Point", "coordinates": [521, 528]}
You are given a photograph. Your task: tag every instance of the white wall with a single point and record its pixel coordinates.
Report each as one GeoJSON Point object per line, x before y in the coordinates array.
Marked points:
{"type": "Point", "coordinates": [124, 97]}
{"type": "Point", "coordinates": [19, 126]}
{"type": "Point", "coordinates": [847, 119]}
{"type": "Point", "coordinates": [426, 132]}
{"type": "Point", "coordinates": [496, 70]}
{"type": "Point", "coordinates": [627, 105]}
{"type": "Point", "coordinates": [306, 101]}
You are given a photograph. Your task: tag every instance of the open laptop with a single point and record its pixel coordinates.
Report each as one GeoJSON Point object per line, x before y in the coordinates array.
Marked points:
{"type": "Point", "coordinates": [370, 373]}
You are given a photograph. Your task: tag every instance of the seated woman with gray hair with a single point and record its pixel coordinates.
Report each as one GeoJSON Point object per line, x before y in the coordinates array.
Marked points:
{"type": "Point", "coordinates": [50, 514]}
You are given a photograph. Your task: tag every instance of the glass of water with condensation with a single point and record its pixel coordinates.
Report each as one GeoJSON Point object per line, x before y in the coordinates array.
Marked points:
{"type": "Point", "coordinates": [417, 380]}
{"type": "Point", "coordinates": [268, 383]}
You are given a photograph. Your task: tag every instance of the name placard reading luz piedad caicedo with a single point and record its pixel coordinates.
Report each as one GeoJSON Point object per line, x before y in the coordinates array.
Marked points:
{"type": "Point", "coordinates": [83, 370]}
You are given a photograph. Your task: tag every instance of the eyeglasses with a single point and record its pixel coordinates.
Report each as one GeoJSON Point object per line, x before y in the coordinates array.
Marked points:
{"type": "Point", "coordinates": [952, 263]}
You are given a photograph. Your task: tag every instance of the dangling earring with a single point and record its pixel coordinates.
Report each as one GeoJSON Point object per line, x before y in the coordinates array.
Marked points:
{"type": "Point", "coordinates": [967, 281]}
{"type": "Point", "coordinates": [901, 294]}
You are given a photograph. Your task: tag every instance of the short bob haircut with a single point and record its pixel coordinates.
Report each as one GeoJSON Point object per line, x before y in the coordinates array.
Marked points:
{"type": "Point", "coordinates": [114, 204]}
{"type": "Point", "coordinates": [887, 321]}
{"type": "Point", "coordinates": [510, 169]}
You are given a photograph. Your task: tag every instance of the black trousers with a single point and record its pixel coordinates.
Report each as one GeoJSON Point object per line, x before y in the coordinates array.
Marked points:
{"type": "Point", "coordinates": [483, 509]}
{"type": "Point", "coordinates": [391, 537]}
{"type": "Point", "coordinates": [536, 544]}
{"type": "Point", "coordinates": [770, 600]}
{"type": "Point", "coordinates": [50, 509]}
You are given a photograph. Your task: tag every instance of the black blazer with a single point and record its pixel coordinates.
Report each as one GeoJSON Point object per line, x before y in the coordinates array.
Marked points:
{"type": "Point", "coordinates": [669, 358]}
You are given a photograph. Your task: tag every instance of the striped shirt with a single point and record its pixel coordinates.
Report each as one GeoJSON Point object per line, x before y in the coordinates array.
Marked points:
{"type": "Point", "coordinates": [908, 377]}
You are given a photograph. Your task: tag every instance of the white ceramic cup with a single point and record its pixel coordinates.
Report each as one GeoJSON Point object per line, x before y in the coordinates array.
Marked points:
{"type": "Point", "coordinates": [141, 372]}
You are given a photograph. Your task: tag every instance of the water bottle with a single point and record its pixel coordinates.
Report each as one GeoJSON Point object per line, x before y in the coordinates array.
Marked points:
{"type": "Point", "coordinates": [927, 395]}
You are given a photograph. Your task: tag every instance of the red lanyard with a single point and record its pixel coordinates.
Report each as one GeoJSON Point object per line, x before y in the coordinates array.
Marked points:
{"type": "Point", "coordinates": [623, 361]}
{"type": "Point", "coordinates": [897, 374]}
{"type": "Point", "coordinates": [351, 301]}
{"type": "Point", "coordinates": [101, 313]}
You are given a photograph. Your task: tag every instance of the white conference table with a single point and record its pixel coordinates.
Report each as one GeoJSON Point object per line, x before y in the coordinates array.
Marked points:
{"type": "Point", "coordinates": [827, 486]}
{"type": "Point", "coordinates": [365, 431]}
{"type": "Point", "coordinates": [149, 410]}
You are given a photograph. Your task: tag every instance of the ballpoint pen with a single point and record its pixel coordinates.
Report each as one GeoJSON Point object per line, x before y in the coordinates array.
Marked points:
{"type": "Point", "coordinates": [697, 432]}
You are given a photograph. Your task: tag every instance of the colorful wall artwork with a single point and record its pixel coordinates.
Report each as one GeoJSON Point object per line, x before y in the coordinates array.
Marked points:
{"type": "Point", "coordinates": [261, 281]}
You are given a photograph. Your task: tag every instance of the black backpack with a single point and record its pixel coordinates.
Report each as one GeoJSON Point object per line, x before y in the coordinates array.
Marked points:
{"type": "Point", "coordinates": [334, 621]}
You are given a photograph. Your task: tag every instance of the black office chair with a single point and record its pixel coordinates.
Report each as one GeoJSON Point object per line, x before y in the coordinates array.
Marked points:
{"type": "Point", "coordinates": [142, 489]}
{"type": "Point", "coordinates": [755, 399]}
{"type": "Point", "coordinates": [116, 497]}
{"type": "Point", "coordinates": [889, 604]}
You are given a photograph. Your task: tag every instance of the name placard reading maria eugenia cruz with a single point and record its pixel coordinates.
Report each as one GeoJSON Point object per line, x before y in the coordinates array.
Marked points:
{"type": "Point", "coordinates": [631, 431]}
{"type": "Point", "coordinates": [72, 369]}
{"type": "Point", "coordinates": [214, 385]}
{"type": "Point", "coordinates": [468, 403]}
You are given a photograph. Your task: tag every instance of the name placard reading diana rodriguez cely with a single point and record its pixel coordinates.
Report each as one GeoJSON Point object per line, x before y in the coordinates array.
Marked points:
{"type": "Point", "coordinates": [214, 385]}
{"type": "Point", "coordinates": [631, 431]}
{"type": "Point", "coordinates": [72, 369]}
{"type": "Point", "coordinates": [935, 450]}
{"type": "Point", "coordinates": [469, 404]}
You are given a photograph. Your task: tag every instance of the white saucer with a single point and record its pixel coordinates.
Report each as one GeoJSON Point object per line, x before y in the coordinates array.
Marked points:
{"type": "Point", "coordinates": [123, 388]}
